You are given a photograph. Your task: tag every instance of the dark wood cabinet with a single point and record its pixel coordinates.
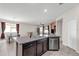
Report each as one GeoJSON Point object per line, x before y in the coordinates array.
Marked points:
{"type": "Point", "coordinates": [39, 47]}
{"type": "Point", "coordinates": [44, 45]}
{"type": "Point", "coordinates": [29, 49]}
{"type": "Point", "coordinates": [35, 48]}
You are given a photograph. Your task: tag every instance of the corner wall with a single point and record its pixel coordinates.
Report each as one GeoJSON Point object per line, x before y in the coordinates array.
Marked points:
{"type": "Point", "coordinates": [70, 28]}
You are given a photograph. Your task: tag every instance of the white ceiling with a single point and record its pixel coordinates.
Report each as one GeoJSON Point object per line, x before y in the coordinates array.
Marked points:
{"type": "Point", "coordinates": [33, 13]}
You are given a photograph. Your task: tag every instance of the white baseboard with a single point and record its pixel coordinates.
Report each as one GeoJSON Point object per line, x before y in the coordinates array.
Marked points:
{"type": "Point", "coordinates": [64, 44]}
{"type": "Point", "coordinates": [70, 47]}
{"type": "Point", "coordinates": [77, 51]}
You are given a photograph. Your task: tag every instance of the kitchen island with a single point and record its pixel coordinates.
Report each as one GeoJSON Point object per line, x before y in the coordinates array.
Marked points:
{"type": "Point", "coordinates": [34, 46]}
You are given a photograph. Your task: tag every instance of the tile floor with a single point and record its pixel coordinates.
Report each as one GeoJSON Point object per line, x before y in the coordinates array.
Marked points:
{"type": "Point", "coordinates": [64, 51]}
{"type": "Point", "coordinates": [7, 49]}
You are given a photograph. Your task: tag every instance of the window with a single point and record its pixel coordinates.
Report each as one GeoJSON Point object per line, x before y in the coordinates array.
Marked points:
{"type": "Point", "coordinates": [11, 28]}
{"type": "Point", "coordinates": [46, 30]}
{"type": "Point", "coordinates": [41, 30]}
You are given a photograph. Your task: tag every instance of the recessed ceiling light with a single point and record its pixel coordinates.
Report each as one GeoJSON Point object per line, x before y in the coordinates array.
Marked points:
{"type": "Point", "coordinates": [45, 10]}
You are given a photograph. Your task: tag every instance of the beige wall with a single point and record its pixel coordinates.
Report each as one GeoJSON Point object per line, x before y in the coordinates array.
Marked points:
{"type": "Point", "coordinates": [59, 27]}
{"type": "Point", "coordinates": [24, 28]}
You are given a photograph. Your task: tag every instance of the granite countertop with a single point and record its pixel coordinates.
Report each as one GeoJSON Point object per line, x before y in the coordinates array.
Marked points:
{"type": "Point", "coordinates": [22, 40]}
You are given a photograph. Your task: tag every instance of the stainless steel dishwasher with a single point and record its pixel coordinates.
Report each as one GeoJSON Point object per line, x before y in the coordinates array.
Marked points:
{"type": "Point", "coordinates": [54, 43]}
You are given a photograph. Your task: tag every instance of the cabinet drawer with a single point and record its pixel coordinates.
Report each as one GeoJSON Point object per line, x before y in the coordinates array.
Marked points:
{"type": "Point", "coordinates": [31, 51]}
{"type": "Point", "coordinates": [39, 49]}
{"type": "Point", "coordinates": [27, 45]}
{"type": "Point", "coordinates": [39, 41]}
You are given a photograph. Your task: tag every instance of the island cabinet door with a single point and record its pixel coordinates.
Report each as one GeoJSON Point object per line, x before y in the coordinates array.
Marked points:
{"type": "Point", "coordinates": [39, 48]}
{"type": "Point", "coordinates": [44, 45]}
{"type": "Point", "coordinates": [29, 49]}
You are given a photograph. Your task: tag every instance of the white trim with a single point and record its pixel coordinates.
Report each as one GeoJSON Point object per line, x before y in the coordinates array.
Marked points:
{"type": "Point", "coordinates": [71, 48]}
